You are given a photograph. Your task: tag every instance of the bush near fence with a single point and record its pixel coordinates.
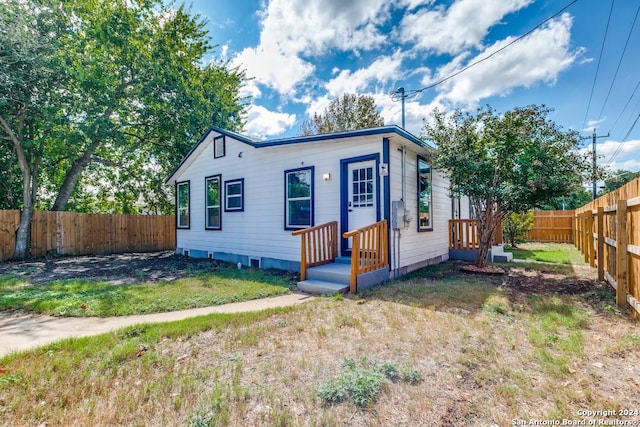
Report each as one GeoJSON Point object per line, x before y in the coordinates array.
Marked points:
{"type": "Point", "coordinates": [608, 234]}
{"type": "Point", "coordinates": [71, 233]}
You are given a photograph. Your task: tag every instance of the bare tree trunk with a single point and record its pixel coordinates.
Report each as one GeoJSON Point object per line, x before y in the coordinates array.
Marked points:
{"type": "Point", "coordinates": [23, 233]}
{"type": "Point", "coordinates": [71, 179]}
{"type": "Point", "coordinates": [489, 219]}
{"type": "Point", "coordinates": [29, 192]}
{"type": "Point", "coordinates": [485, 235]}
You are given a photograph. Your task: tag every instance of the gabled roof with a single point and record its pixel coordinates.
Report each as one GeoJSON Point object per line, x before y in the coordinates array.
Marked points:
{"type": "Point", "coordinates": [302, 139]}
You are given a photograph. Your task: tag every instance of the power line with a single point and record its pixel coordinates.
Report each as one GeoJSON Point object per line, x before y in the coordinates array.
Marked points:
{"type": "Point", "coordinates": [606, 31]}
{"type": "Point", "coordinates": [615, 153]}
{"type": "Point", "coordinates": [625, 106]}
{"type": "Point", "coordinates": [619, 62]}
{"type": "Point", "coordinates": [408, 93]}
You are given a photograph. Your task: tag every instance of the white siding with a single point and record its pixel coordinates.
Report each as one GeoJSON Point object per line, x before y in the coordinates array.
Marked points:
{"type": "Point", "coordinates": [419, 247]}
{"type": "Point", "coordinates": [259, 230]}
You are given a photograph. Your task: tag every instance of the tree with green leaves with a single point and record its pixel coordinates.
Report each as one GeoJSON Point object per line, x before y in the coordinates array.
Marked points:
{"type": "Point", "coordinates": [511, 162]}
{"type": "Point", "coordinates": [139, 91]}
{"type": "Point", "coordinates": [350, 112]}
{"type": "Point", "coordinates": [619, 178]}
{"type": "Point", "coordinates": [31, 78]}
{"type": "Point", "coordinates": [574, 200]}
{"type": "Point", "coordinates": [115, 89]}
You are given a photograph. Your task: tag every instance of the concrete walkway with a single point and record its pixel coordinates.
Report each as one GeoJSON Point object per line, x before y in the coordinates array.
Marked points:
{"type": "Point", "coordinates": [22, 332]}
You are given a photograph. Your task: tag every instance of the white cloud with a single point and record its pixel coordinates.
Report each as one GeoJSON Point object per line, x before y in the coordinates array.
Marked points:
{"type": "Point", "coordinates": [272, 67]}
{"type": "Point", "coordinates": [293, 29]}
{"type": "Point", "coordinates": [464, 24]}
{"type": "Point", "coordinates": [317, 105]}
{"type": "Point", "coordinates": [382, 70]}
{"type": "Point", "coordinates": [592, 124]}
{"type": "Point", "coordinates": [414, 112]}
{"type": "Point", "coordinates": [250, 89]}
{"type": "Point", "coordinates": [263, 123]}
{"type": "Point", "coordinates": [412, 4]}
{"type": "Point", "coordinates": [539, 57]}
{"type": "Point", "coordinates": [627, 158]}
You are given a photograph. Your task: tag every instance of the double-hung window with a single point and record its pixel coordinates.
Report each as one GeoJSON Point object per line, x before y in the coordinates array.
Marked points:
{"type": "Point", "coordinates": [182, 204]}
{"type": "Point", "coordinates": [425, 195]}
{"type": "Point", "coordinates": [298, 198]}
{"type": "Point", "coordinates": [213, 219]}
{"type": "Point", "coordinates": [234, 195]}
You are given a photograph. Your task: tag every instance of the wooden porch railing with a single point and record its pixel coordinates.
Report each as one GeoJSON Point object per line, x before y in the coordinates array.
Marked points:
{"type": "Point", "coordinates": [318, 245]}
{"type": "Point", "coordinates": [369, 250]}
{"type": "Point", "coordinates": [463, 234]}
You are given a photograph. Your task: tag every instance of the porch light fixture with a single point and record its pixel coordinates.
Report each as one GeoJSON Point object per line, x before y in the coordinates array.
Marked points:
{"type": "Point", "coordinates": [326, 176]}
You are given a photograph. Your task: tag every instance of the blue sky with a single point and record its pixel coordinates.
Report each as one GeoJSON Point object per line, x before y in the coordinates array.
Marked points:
{"type": "Point", "coordinates": [301, 54]}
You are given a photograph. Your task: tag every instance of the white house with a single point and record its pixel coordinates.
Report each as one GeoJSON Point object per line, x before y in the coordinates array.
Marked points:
{"type": "Point", "coordinates": [239, 199]}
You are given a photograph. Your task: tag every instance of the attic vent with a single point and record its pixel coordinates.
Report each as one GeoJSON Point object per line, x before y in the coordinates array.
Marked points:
{"type": "Point", "coordinates": [219, 147]}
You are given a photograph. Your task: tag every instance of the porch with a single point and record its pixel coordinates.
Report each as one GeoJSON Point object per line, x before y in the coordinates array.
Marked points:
{"type": "Point", "coordinates": [323, 272]}
{"type": "Point", "coordinates": [464, 242]}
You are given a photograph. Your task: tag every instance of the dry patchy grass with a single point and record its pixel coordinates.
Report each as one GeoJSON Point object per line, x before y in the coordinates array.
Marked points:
{"type": "Point", "coordinates": [488, 353]}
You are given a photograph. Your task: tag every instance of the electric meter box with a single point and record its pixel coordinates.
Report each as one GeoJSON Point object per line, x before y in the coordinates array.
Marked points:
{"type": "Point", "coordinates": [397, 214]}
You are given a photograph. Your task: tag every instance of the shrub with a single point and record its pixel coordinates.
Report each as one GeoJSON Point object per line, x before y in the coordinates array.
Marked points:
{"type": "Point", "coordinates": [516, 225]}
{"type": "Point", "coordinates": [362, 384]}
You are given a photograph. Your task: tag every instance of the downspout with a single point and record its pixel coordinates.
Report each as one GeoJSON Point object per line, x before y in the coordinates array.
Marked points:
{"type": "Point", "coordinates": [404, 200]}
{"type": "Point", "coordinates": [404, 173]}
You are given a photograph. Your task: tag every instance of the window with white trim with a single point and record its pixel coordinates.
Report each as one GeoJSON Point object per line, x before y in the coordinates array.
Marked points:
{"type": "Point", "coordinates": [425, 195]}
{"type": "Point", "coordinates": [213, 219]}
{"type": "Point", "coordinates": [234, 195]}
{"type": "Point", "coordinates": [298, 198]}
{"type": "Point", "coordinates": [182, 204]}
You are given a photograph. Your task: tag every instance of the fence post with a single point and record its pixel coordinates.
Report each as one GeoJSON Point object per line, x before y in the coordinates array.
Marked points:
{"type": "Point", "coordinates": [579, 231]}
{"type": "Point", "coordinates": [590, 245]}
{"type": "Point", "coordinates": [600, 223]}
{"type": "Point", "coordinates": [59, 233]}
{"type": "Point", "coordinates": [621, 254]}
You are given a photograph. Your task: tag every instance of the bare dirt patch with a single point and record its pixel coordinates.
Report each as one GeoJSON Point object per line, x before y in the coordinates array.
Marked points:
{"type": "Point", "coordinates": [119, 268]}
{"type": "Point", "coordinates": [488, 270]}
{"type": "Point", "coordinates": [548, 281]}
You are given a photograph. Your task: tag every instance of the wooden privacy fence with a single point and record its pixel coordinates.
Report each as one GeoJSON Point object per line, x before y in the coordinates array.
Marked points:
{"type": "Point", "coordinates": [552, 226]}
{"type": "Point", "coordinates": [608, 234]}
{"type": "Point", "coordinates": [548, 226]}
{"type": "Point", "coordinates": [71, 233]}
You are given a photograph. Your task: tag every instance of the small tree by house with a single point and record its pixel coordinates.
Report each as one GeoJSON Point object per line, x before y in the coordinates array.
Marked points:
{"type": "Point", "coordinates": [515, 227]}
{"type": "Point", "coordinates": [511, 162]}
{"type": "Point", "coordinates": [349, 112]}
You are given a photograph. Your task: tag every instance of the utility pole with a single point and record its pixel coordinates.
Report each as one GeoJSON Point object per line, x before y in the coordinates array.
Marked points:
{"type": "Point", "coordinates": [401, 96]}
{"type": "Point", "coordinates": [593, 161]}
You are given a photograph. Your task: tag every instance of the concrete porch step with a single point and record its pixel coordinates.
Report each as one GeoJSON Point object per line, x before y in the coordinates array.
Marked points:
{"type": "Point", "coordinates": [334, 272]}
{"type": "Point", "coordinates": [499, 255]}
{"type": "Point", "coordinates": [321, 287]}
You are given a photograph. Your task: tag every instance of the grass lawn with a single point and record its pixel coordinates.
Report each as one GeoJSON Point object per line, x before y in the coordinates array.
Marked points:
{"type": "Point", "coordinates": [87, 297]}
{"type": "Point", "coordinates": [437, 347]}
{"type": "Point", "coordinates": [563, 253]}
